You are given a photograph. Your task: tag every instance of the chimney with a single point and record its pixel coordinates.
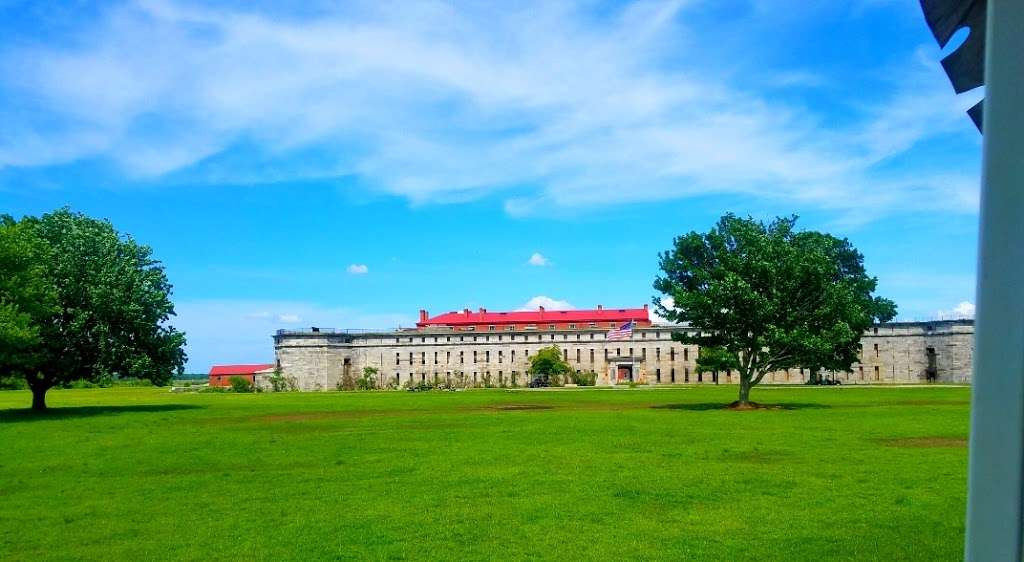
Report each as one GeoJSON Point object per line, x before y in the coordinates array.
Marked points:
{"type": "Point", "coordinates": [423, 315]}
{"type": "Point", "coordinates": [541, 308]}
{"type": "Point", "coordinates": [483, 310]}
{"type": "Point", "coordinates": [465, 311]}
{"type": "Point", "coordinates": [645, 308]}
{"type": "Point", "coordinates": [600, 307]}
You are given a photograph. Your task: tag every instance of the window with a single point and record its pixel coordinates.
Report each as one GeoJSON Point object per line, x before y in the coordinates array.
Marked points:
{"type": "Point", "coordinates": [500, 354]}
{"type": "Point", "coordinates": [462, 338]}
{"type": "Point", "coordinates": [591, 336]}
{"type": "Point", "coordinates": [657, 354]}
{"type": "Point", "coordinates": [643, 335]}
{"type": "Point", "coordinates": [423, 340]}
{"type": "Point", "coordinates": [686, 374]}
{"type": "Point", "coordinates": [618, 352]}
{"type": "Point", "coordinates": [686, 354]}
{"type": "Point", "coordinates": [461, 358]}
{"type": "Point", "coordinates": [876, 372]}
{"type": "Point", "coordinates": [447, 338]}
{"type": "Point", "coordinates": [565, 355]}
{"type": "Point", "coordinates": [423, 358]}
{"type": "Point", "coordinates": [474, 356]}
{"type": "Point", "coordinates": [490, 328]}
{"type": "Point", "coordinates": [657, 375]}
{"type": "Point", "coordinates": [398, 340]}
{"type": "Point", "coordinates": [510, 328]}
{"type": "Point", "coordinates": [471, 328]}
{"type": "Point", "coordinates": [611, 324]}
{"type": "Point", "coordinates": [552, 337]}
{"type": "Point", "coordinates": [513, 356]}
{"type": "Point", "coordinates": [672, 375]}
{"type": "Point", "coordinates": [643, 353]}
{"type": "Point", "coordinates": [591, 355]}
{"type": "Point", "coordinates": [512, 337]}
{"type": "Point", "coordinates": [579, 337]}
{"type": "Point", "coordinates": [671, 354]}
{"type": "Point", "coordinates": [565, 336]}
{"type": "Point", "coordinates": [448, 357]}
{"type": "Point", "coordinates": [499, 338]}
{"type": "Point", "coordinates": [572, 326]}
{"type": "Point", "coordinates": [410, 358]}
{"type": "Point", "coordinates": [539, 337]}
{"type": "Point", "coordinates": [876, 331]}
{"type": "Point", "coordinates": [578, 355]}
{"type": "Point", "coordinates": [551, 326]}
{"type": "Point", "coordinates": [435, 358]}
{"type": "Point", "coordinates": [592, 325]}
{"type": "Point", "coordinates": [487, 356]}
{"type": "Point", "coordinates": [631, 352]}
{"type": "Point", "coordinates": [435, 339]}
{"type": "Point", "coordinates": [531, 326]}
{"type": "Point", "coordinates": [876, 350]}
{"type": "Point", "coordinates": [398, 359]}
{"type": "Point", "coordinates": [605, 354]}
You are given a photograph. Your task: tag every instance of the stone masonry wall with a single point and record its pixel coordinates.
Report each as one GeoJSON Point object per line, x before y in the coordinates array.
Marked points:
{"type": "Point", "coordinates": [318, 360]}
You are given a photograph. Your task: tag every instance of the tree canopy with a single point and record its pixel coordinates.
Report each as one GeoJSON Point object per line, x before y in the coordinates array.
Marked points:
{"type": "Point", "coordinates": [82, 302]}
{"type": "Point", "coordinates": [715, 360]}
{"type": "Point", "coordinates": [773, 297]}
{"type": "Point", "coordinates": [549, 363]}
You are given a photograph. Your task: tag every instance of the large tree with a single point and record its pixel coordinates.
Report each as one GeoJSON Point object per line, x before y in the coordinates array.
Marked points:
{"type": "Point", "coordinates": [109, 312]}
{"type": "Point", "coordinates": [774, 297]}
{"type": "Point", "coordinates": [549, 363]}
{"type": "Point", "coordinates": [715, 360]}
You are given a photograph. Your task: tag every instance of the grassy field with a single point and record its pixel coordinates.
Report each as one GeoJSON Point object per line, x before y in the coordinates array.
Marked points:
{"type": "Point", "coordinates": [142, 474]}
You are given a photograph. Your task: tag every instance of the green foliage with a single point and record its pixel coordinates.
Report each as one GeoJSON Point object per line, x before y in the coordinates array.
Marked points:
{"type": "Point", "coordinates": [773, 297]}
{"type": "Point", "coordinates": [281, 383]}
{"type": "Point", "coordinates": [584, 378]}
{"type": "Point", "coordinates": [369, 379]}
{"type": "Point", "coordinates": [715, 360]}
{"type": "Point", "coordinates": [210, 389]}
{"type": "Point", "coordinates": [240, 384]}
{"type": "Point", "coordinates": [84, 303]}
{"type": "Point", "coordinates": [548, 363]}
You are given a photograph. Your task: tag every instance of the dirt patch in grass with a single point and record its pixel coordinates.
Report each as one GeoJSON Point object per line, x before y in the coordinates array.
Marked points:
{"type": "Point", "coordinates": [705, 406]}
{"type": "Point", "coordinates": [518, 407]}
{"type": "Point", "coordinates": [925, 442]}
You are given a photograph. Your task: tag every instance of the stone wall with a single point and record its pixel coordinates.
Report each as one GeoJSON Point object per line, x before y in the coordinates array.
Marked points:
{"type": "Point", "coordinates": [317, 360]}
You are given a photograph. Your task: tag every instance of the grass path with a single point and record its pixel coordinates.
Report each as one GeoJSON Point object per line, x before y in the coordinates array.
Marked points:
{"type": "Point", "coordinates": [142, 474]}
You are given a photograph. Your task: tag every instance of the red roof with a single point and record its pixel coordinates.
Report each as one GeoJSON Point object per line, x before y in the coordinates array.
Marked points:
{"type": "Point", "coordinates": [540, 316]}
{"type": "Point", "coordinates": [239, 369]}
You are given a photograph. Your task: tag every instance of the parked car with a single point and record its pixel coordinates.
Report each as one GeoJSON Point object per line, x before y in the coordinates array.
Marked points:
{"type": "Point", "coordinates": [539, 382]}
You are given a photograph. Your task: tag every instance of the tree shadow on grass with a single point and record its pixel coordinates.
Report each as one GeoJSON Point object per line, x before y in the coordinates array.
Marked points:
{"type": "Point", "coordinates": [710, 406]}
{"type": "Point", "coordinates": [71, 412]}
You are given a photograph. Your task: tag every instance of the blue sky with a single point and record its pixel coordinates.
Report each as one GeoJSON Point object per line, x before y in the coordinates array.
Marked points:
{"type": "Point", "coordinates": [346, 164]}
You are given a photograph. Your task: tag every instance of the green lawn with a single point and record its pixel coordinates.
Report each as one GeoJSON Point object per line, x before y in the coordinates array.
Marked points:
{"type": "Point", "coordinates": [143, 474]}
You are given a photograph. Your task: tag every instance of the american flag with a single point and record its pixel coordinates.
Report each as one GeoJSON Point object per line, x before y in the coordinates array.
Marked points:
{"type": "Point", "coordinates": [623, 332]}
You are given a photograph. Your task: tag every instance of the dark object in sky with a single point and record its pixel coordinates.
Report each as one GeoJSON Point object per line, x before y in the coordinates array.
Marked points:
{"type": "Point", "coordinates": [966, 65]}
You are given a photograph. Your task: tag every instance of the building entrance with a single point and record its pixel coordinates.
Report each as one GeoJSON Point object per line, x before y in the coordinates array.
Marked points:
{"type": "Point", "coordinates": [625, 373]}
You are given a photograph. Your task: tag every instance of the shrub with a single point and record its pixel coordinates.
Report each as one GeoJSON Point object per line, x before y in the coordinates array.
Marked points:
{"type": "Point", "coordinates": [347, 381]}
{"type": "Point", "coordinates": [214, 389]}
{"type": "Point", "coordinates": [280, 383]}
{"type": "Point", "coordinates": [240, 384]}
{"type": "Point", "coordinates": [369, 379]}
{"type": "Point", "coordinates": [587, 378]}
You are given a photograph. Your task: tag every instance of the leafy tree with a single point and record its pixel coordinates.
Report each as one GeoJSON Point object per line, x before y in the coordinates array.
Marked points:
{"type": "Point", "coordinates": [25, 294]}
{"type": "Point", "coordinates": [771, 296]}
{"type": "Point", "coordinates": [109, 312]}
{"type": "Point", "coordinates": [715, 360]}
{"type": "Point", "coordinates": [548, 363]}
{"type": "Point", "coordinates": [369, 379]}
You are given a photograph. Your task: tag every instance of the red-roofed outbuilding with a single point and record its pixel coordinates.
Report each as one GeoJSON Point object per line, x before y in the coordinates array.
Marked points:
{"type": "Point", "coordinates": [220, 375]}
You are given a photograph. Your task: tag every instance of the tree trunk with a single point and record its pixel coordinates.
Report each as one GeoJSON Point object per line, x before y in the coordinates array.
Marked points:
{"type": "Point", "coordinates": [744, 390]}
{"type": "Point", "coordinates": [39, 399]}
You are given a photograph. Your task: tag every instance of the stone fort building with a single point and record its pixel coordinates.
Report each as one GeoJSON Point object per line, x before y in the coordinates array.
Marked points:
{"type": "Point", "coordinates": [482, 347]}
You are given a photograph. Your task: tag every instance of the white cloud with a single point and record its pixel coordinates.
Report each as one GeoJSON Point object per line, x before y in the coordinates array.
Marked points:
{"type": "Point", "coordinates": [963, 310]}
{"type": "Point", "coordinates": [289, 318]}
{"type": "Point", "coordinates": [358, 269]}
{"type": "Point", "coordinates": [667, 302]}
{"type": "Point", "coordinates": [538, 260]}
{"type": "Point", "coordinates": [547, 302]}
{"type": "Point", "coordinates": [542, 93]}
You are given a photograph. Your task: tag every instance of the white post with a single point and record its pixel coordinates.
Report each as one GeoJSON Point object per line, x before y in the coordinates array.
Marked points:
{"type": "Point", "coordinates": [994, 504]}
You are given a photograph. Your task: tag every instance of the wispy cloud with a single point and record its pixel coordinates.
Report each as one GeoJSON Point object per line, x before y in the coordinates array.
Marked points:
{"type": "Point", "coordinates": [538, 260]}
{"type": "Point", "coordinates": [963, 310]}
{"type": "Point", "coordinates": [547, 302]}
{"type": "Point", "coordinates": [358, 269]}
{"type": "Point", "coordinates": [442, 102]}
